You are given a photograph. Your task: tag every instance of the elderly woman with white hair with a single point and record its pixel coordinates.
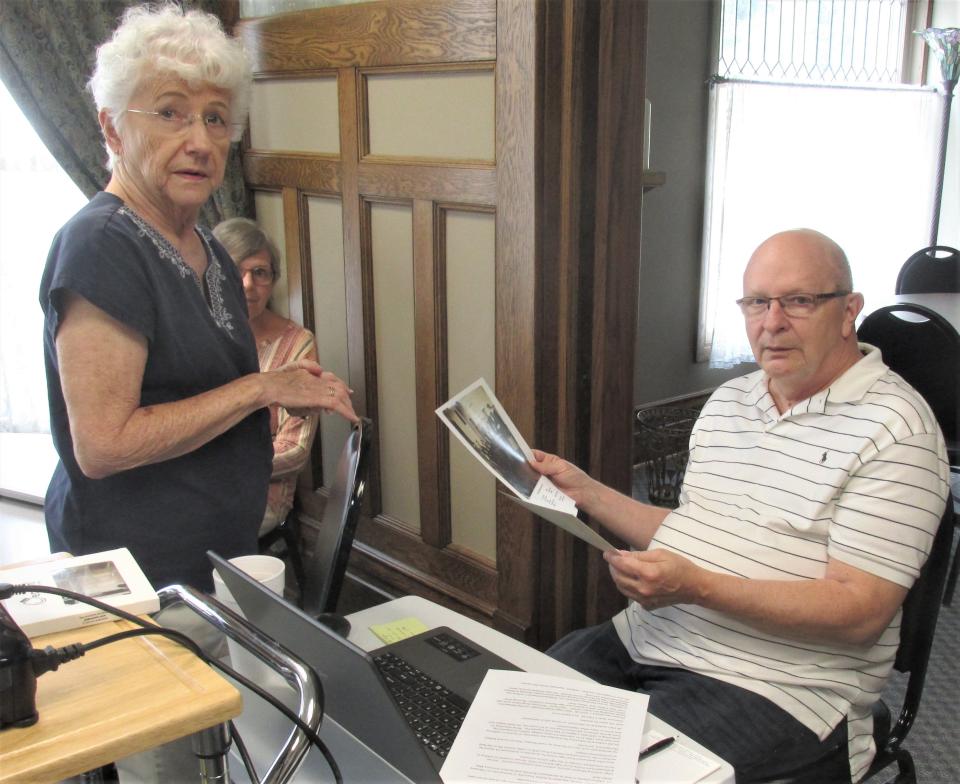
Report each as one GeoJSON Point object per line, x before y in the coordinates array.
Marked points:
{"type": "Point", "coordinates": [159, 410]}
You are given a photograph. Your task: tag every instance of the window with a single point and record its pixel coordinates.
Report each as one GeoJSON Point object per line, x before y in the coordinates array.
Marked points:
{"type": "Point", "coordinates": [36, 199]}
{"type": "Point", "coordinates": [812, 125]}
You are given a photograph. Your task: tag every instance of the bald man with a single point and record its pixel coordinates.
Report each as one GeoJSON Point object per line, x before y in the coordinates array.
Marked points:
{"type": "Point", "coordinates": [764, 611]}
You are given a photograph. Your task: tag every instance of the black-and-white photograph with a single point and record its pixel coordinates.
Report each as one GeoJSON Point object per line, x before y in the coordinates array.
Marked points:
{"type": "Point", "coordinates": [476, 416]}
{"type": "Point", "coordinates": [97, 580]}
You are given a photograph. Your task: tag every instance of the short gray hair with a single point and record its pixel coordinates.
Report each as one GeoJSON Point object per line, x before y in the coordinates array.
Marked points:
{"type": "Point", "coordinates": [243, 238]}
{"type": "Point", "coordinates": [159, 40]}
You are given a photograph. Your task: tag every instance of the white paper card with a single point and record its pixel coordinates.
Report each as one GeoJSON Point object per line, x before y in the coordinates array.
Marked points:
{"type": "Point", "coordinates": [523, 727]}
{"type": "Point", "coordinates": [481, 424]}
{"type": "Point", "coordinates": [568, 522]}
{"type": "Point", "coordinates": [478, 420]}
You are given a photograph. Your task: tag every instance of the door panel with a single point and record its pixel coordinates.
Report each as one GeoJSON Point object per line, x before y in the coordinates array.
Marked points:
{"type": "Point", "coordinates": [453, 142]}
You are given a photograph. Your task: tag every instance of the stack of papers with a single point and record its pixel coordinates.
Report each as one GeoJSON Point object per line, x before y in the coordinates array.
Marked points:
{"type": "Point", "coordinates": [523, 727]}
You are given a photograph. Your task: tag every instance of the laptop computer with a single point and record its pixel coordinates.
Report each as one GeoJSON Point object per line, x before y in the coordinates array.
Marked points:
{"type": "Point", "coordinates": [359, 692]}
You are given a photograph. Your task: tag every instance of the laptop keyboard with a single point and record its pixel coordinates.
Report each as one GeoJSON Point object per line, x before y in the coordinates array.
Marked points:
{"type": "Point", "coordinates": [434, 712]}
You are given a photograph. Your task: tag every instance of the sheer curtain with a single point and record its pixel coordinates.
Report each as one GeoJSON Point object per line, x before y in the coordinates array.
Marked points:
{"type": "Point", "coordinates": [36, 198]}
{"type": "Point", "coordinates": [854, 163]}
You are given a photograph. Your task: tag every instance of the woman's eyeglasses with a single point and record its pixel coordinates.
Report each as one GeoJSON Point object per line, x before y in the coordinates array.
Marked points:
{"type": "Point", "coordinates": [174, 122]}
{"type": "Point", "coordinates": [794, 305]}
{"type": "Point", "coordinates": [262, 276]}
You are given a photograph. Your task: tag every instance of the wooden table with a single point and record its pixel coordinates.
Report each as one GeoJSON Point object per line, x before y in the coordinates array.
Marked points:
{"type": "Point", "coordinates": [117, 700]}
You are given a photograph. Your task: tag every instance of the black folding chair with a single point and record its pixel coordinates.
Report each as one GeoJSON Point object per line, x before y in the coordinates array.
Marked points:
{"type": "Point", "coordinates": [926, 352]}
{"type": "Point", "coordinates": [324, 572]}
{"type": "Point", "coordinates": [287, 530]}
{"type": "Point", "coordinates": [918, 622]}
{"type": "Point", "coordinates": [930, 270]}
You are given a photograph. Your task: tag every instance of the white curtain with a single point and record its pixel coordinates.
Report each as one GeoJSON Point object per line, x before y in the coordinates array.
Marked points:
{"type": "Point", "coordinates": [856, 164]}
{"type": "Point", "coordinates": [36, 199]}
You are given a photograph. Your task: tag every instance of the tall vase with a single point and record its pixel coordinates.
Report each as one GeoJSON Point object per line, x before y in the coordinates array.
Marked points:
{"type": "Point", "coordinates": [941, 159]}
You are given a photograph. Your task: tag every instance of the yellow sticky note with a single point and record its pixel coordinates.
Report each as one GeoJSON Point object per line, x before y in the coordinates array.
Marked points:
{"type": "Point", "coordinates": [398, 630]}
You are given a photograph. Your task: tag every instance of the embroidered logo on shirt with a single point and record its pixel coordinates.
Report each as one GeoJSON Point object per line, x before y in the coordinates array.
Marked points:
{"type": "Point", "coordinates": [213, 275]}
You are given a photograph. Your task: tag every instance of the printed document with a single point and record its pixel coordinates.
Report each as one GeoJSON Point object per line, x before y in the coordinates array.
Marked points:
{"type": "Point", "coordinates": [479, 421]}
{"type": "Point", "coordinates": [523, 727]}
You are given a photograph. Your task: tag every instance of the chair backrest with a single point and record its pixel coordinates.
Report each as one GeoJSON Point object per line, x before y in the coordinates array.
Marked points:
{"type": "Point", "coordinates": [932, 269]}
{"type": "Point", "coordinates": [324, 572]}
{"type": "Point", "coordinates": [921, 609]}
{"type": "Point", "coordinates": [925, 352]}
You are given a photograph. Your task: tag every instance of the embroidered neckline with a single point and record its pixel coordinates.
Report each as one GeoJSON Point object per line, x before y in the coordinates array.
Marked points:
{"type": "Point", "coordinates": [213, 275]}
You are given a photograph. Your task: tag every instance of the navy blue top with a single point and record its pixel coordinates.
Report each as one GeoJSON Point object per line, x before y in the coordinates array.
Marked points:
{"type": "Point", "coordinates": [169, 513]}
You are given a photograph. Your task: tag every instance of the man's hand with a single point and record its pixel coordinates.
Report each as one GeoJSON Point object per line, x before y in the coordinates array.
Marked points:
{"type": "Point", "coordinates": [633, 522]}
{"type": "Point", "coordinates": [574, 482]}
{"type": "Point", "coordinates": [654, 578]}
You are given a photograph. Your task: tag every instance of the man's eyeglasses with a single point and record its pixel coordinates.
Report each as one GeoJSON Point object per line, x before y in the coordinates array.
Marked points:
{"type": "Point", "coordinates": [262, 276]}
{"type": "Point", "coordinates": [794, 305]}
{"type": "Point", "coordinates": [174, 122]}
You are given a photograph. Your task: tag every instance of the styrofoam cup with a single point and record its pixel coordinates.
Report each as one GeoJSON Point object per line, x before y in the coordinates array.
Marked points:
{"type": "Point", "coordinates": [266, 569]}
{"type": "Point", "coordinates": [269, 571]}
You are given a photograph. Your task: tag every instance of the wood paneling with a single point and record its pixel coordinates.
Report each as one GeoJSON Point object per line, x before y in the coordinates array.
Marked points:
{"type": "Point", "coordinates": [314, 173]}
{"type": "Point", "coordinates": [383, 33]}
{"type": "Point", "coordinates": [430, 314]}
{"type": "Point", "coordinates": [517, 388]}
{"type": "Point", "coordinates": [429, 181]}
{"type": "Point", "coordinates": [619, 194]}
{"type": "Point", "coordinates": [566, 191]}
{"type": "Point", "coordinates": [566, 237]}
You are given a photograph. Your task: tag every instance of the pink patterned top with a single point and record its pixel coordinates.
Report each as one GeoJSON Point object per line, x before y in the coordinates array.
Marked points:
{"type": "Point", "coordinates": [292, 436]}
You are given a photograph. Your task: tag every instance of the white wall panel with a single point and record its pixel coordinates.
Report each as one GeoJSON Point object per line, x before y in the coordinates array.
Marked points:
{"type": "Point", "coordinates": [295, 115]}
{"type": "Point", "coordinates": [269, 207]}
{"type": "Point", "coordinates": [432, 115]}
{"type": "Point", "coordinates": [471, 328]}
{"type": "Point", "coordinates": [393, 288]}
{"type": "Point", "coordinates": [325, 217]}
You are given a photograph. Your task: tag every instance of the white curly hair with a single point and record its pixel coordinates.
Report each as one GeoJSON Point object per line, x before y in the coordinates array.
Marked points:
{"type": "Point", "coordinates": [157, 40]}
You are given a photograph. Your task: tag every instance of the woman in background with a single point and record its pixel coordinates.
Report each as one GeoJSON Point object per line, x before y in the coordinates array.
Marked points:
{"type": "Point", "coordinates": [279, 342]}
{"type": "Point", "coordinates": [158, 408]}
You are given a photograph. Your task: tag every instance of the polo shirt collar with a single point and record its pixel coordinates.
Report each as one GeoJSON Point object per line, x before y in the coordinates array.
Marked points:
{"type": "Point", "coordinates": [850, 387]}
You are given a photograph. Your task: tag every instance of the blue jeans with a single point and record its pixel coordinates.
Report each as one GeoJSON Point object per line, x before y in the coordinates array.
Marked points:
{"type": "Point", "coordinates": [760, 740]}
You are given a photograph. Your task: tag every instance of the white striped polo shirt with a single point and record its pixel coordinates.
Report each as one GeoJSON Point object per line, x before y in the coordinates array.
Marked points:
{"type": "Point", "coordinates": [859, 473]}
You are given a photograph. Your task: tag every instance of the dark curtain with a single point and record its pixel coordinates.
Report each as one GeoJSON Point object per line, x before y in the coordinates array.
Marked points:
{"type": "Point", "coordinates": [47, 52]}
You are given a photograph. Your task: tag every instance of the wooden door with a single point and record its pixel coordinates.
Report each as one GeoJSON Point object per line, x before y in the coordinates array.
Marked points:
{"type": "Point", "coordinates": [414, 155]}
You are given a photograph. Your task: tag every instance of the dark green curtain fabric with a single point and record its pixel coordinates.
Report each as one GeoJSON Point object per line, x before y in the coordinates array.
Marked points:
{"type": "Point", "coordinates": [47, 52]}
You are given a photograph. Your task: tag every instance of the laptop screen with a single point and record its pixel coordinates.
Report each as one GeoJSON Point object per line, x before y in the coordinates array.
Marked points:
{"type": "Point", "coordinates": [355, 694]}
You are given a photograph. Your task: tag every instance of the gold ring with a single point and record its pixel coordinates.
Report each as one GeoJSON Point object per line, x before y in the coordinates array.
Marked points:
{"type": "Point", "coordinates": [331, 391]}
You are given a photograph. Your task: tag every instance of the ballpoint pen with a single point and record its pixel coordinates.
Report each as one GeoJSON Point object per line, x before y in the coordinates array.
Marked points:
{"type": "Point", "coordinates": [653, 748]}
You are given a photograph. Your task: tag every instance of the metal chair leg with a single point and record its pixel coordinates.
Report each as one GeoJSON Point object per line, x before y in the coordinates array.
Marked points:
{"type": "Point", "coordinates": [952, 577]}
{"type": "Point", "coordinates": [210, 747]}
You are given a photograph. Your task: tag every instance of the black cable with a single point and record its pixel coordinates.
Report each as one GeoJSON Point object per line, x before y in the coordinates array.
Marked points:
{"type": "Point", "coordinates": [70, 652]}
{"type": "Point", "coordinates": [244, 754]}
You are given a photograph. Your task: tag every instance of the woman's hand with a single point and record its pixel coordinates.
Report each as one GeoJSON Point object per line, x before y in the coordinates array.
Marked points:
{"type": "Point", "coordinates": [655, 578]}
{"type": "Point", "coordinates": [305, 388]}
